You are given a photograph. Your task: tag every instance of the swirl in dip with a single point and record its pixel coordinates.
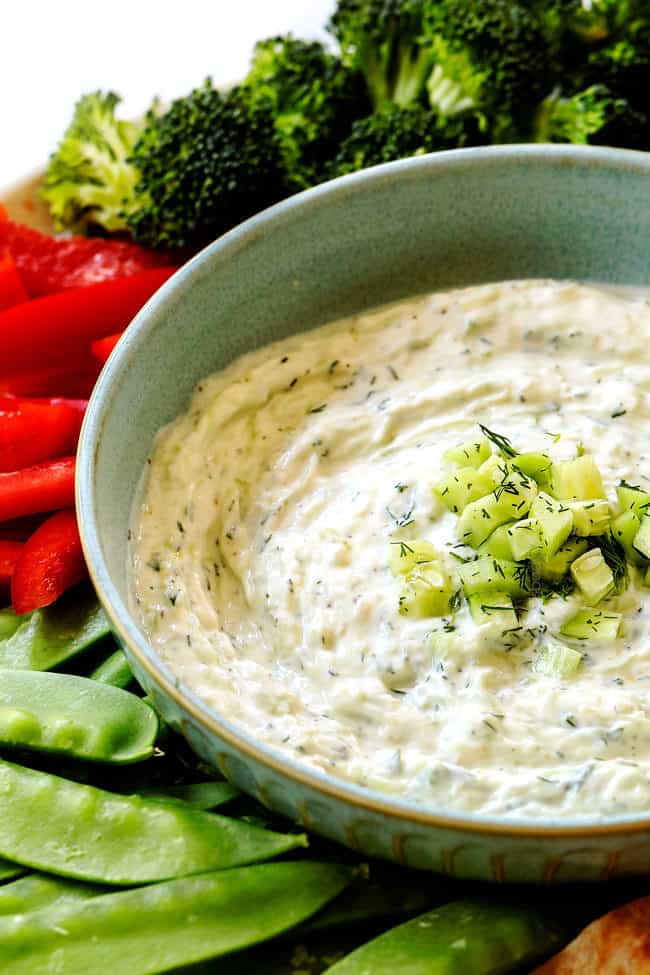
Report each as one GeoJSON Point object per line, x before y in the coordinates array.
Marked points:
{"type": "Point", "coordinates": [260, 550]}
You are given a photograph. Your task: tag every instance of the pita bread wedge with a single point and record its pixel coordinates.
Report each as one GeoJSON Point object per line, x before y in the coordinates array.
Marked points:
{"type": "Point", "coordinates": [616, 944]}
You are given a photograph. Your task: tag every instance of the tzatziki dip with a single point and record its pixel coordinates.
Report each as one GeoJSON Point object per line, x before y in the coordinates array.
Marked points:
{"type": "Point", "coordinates": [410, 549]}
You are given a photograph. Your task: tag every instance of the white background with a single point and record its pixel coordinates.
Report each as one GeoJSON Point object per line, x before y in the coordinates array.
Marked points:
{"type": "Point", "coordinates": [52, 52]}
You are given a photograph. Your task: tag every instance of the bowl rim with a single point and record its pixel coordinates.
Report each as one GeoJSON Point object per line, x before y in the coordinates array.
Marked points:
{"type": "Point", "coordinates": [121, 619]}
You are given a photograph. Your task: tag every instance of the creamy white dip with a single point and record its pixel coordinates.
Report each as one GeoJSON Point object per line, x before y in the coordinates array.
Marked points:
{"type": "Point", "coordinates": [259, 554]}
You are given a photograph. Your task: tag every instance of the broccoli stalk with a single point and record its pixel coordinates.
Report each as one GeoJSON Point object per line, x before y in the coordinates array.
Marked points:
{"type": "Point", "coordinates": [593, 115]}
{"type": "Point", "coordinates": [89, 181]}
{"type": "Point", "coordinates": [383, 38]}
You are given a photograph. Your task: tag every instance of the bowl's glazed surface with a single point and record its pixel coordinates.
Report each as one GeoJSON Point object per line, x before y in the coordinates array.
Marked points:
{"type": "Point", "coordinates": [452, 219]}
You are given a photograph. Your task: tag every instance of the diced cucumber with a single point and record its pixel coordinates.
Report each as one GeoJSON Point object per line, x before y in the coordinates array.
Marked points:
{"type": "Point", "coordinates": [525, 538]}
{"type": "Point", "coordinates": [472, 453]}
{"type": "Point", "coordinates": [463, 485]}
{"type": "Point", "coordinates": [630, 496]}
{"type": "Point", "coordinates": [493, 607]}
{"type": "Point", "coordinates": [491, 575]}
{"type": "Point", "coordinates": [498, 544]}
{"type": "Point", "coordinates": [427, 591]}
{"type": "Point", "coordinates": [509, 501]}
{"type": "Point", "coordinates": [624, 529]}
{"type": "Point", "coordinates": [593, 576]}
{"type": "Point", "coordinates": [590, 517]}
{"type": "Point", "coordinates": [555, 521]}
{"type": "Point", "coordinates": [535, 464]}
{"type": "Point", "coordinates": [405, 554]}
{"type": "Point", "coordinates": [646, 578]}
{"type": "Point", "coordinates": [577, 480]}
{"type": "Point", "coordinates": [494, 467]}
{"type": "Point", "coordinates": [557, 660]}
{"type": "Point", "coordinates": [556, 566]}
{"type": "Point", "coordinates": [593, 624]}
{"type": "Point", "coordinates": [642, 538]}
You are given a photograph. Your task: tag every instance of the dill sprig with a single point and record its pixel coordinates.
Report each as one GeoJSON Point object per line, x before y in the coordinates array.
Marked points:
{"type": "Point", "coordinates": [500, 442]}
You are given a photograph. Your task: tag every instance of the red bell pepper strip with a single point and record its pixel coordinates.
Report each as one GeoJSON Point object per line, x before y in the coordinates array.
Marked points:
{"type": "Point", "coordinates": [46, 331]}
{"type": "Point", "coordinates": [12, 289]}
{"type": "Point", "coordinates": [31, 432]}
{"type": "Point", "coordinates": [42, 487]}
{"type": "Point", "coordinates": [102, 348]}
{"type": "Point", "coordinates": [50, 562]}
{"type": "Point", "coordinates": [68, 381]}
{"type": "Point", "coordinates": [19, 529]}
{"type": "Point", "coordinates": [48, 264]}
{"type": "Point", "coordinates": [9, 552]}
{"type": "Point", "coordinates": [9, 402]}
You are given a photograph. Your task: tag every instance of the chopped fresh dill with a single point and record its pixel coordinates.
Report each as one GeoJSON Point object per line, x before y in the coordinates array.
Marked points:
{"type": "Point", "coordinates": [500, 442]}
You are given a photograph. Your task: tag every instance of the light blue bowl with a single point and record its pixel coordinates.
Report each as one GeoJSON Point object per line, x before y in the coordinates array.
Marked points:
{"type": "Point", "coordinates": [454, 218]}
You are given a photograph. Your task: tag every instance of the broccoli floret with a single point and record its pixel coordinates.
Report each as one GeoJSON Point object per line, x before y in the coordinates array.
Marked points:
{"type": "Point", "coordinates": [89, 181]}
{"type": "Point", "coordinates": [594, 115]}
{"type": "Point", "coordinates": [383, 38]}
{"type": "Point", "coordinates": [396, 133]}
{"type": "Point", "coordinates": [314, 99]}
{"type": "Point", "coordinates": [209, 162]}
{"type": "Point", "coordinates": [491, 58]}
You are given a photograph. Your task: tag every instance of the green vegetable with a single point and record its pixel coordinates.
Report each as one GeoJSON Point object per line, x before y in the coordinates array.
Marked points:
{"type": "Point", "coordinates": [556, 567]}
{"type": "Point", "coordinates": [634, 498]}
{"type": "Point", "coordinates": [461, 486]}
{"type": "Point", "coordinates": [36, 890]}
{"type": "Point", "coordinates": [9, 623]}
{"type": "Point", "coordinates": [153, 929]}
{"type": "Point", "coordinates": [50, 637]}
{"type": "Point", "coordinates": [555, 521]}
{"type": "Point", "coordinates": [536, 465]}
{"type": "Point", "coordinates": [404, 555]}
{"type": "Point", "coordinates": [491, 575]}
{"type": "Point", "coordinates": [314, 99]}
{"type": "Point", "coordinates": [382, 39]}
{"type": "Point", "coordinates": [526, 538]}
{"type": "Point", "coordinates": [427, 591]}
{"type": "Point", "coordinates": [498, 545]}
{"type": "Point", "coordinates": [493, 607]}
{"type": "Point", "coordinates": [590, 517]}
{"type": "Point", "coordinates": [201, 795]}
{"type": "Point", "coordinates": [74, 716]}
{"type": "Point", "coordinates": [593, 115]}
{"type": "Point", "coordinates": [10, 870]}
{"type": "Point", "coordinates": [90, 180]}
{"type": "Point", "coordinates": [624, 529]}
{"type": "Point", "coordinates": [593, 576]}
{"type": "Point", "coordinates": [642, 538]}
{"type": "Point", "coordinates": [91, 834]}
{"type": "Point", "coordinates": [511, 499]}
{"type": "Point", "coordinates": [465, 937]}
{"type": "Point", "coordinates": [577, 479]}
{"type": "Point", "coordinates": [556, 660]}
{"type": "Point", "coordinates": [208, 162]}
{"type": "Point", "coordinates": [471, 453]}
{"type": "Point", "coordinates": [593, 624]}
{"type": "Point", "coordinates": [114, 670]}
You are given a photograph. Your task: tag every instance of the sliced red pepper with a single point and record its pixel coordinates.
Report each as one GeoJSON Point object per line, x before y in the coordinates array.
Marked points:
{"type": "Point", "coordinates": [9, 552]}
{"type": "Point", "coordinates": [50, 562]}
{"type": "Point", "coordinates": [12, 289]}
{"type": "Point", "coordinates": [102, 348]}
{"type": "Point", "coordinates": [33, 432]}
{"type": "Point", "coordinates": [42, 487]}
{"type": "Point", "coordinates": [19, 529]}
{"type": "Point", "coordinates": [73, 380]}
{"type": "Point", "coordinates": [8, 402]}
{"type": "Point", "coordinates": [47, 331]}
{"type": "Point", "coordinates": [49, 264]}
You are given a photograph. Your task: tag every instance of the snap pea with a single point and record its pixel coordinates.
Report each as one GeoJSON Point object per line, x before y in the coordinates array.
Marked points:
{"type": "Point", "coordinates": [35, 891]}
{"type": "Point", "coordinates": [201, 795]}
{"type": "Point", "coordinates": [74, 716]}
{"type": "Point", "coordinates": [9, 870]}
{"type": "Point", "coordinates": [76, 830]}
{"type": "Point", "coordinates": [465, 937]}
{"type": "Point", "coordinates": [153, 929]}
{"type": "Point", "coordinates": [48, 637]}
{"type": "Point", "coordinates": [114, 670]}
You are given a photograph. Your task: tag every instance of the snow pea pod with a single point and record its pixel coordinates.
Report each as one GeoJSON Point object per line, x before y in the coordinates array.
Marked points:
{"type": "Point", "coordinates": [80, 831]}
{"type": "Point", "coordinates": [48, 637]}
{"type": "Point", "coordinates": [181, 922]}
{"type": "Point", "coordinates": [465, 937]}
{"type": "Point", "coordinates": [114, 670]}
{"type": "Point", "coordinates": [201, 795]}
{"type": "Point", "coordinates": [35, 891]}
{"type": "Point", "coordinates": [74, 716]}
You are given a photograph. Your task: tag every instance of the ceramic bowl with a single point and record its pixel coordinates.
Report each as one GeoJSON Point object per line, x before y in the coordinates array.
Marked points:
{"type": "Point", "coordinates": [450, 219]}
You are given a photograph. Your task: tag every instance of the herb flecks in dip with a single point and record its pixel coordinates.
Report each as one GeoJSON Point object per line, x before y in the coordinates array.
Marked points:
{"type": "Point", "coordinates": [261, 551]}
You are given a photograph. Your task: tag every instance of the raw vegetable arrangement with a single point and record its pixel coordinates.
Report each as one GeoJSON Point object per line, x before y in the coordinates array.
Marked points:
{"type": "Point", "coordinates": [113, 858]}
